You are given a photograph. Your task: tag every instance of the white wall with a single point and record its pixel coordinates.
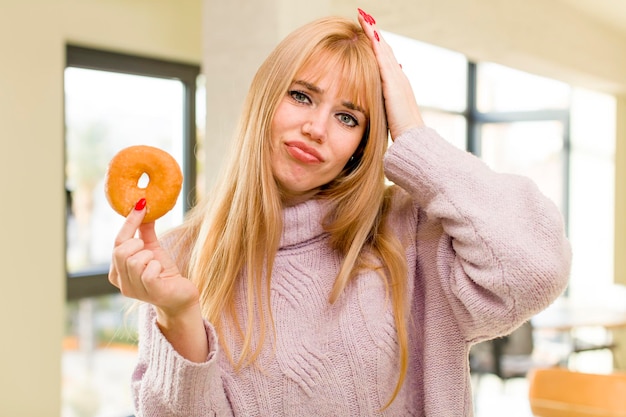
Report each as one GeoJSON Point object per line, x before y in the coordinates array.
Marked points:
{"type": "Point", "coordinates": [33, 34]}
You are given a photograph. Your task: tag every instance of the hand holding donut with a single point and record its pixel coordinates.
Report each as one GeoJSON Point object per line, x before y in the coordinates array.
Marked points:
{"type": "Point", "coordinates": [402, 110]}
{"type": "Point", "coordinates": [139, 263]}
{"type": "Point", "coordinates": [141, 269]}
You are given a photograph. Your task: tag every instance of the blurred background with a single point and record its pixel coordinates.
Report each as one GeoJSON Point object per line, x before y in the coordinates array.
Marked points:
{"type": "Point", "coordinates": [535, 87]}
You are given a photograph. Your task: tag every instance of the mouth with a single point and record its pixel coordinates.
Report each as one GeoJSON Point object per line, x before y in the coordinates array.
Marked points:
{"type": "Point", "coordinates": [303, 153]}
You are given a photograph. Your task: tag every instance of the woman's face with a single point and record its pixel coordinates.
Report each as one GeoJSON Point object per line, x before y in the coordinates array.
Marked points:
{"type": "Point", "coordinates": [314, 133]}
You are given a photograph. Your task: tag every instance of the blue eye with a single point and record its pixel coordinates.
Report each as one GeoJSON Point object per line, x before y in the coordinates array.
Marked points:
{"type": "Point", "coordinates": [348, 119]}
{"type": "Point", "coordinates": [299, 96]}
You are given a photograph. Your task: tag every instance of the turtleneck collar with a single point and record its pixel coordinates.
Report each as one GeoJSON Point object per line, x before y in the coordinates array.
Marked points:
{"type": "Point", "coordinates": [303, 222]}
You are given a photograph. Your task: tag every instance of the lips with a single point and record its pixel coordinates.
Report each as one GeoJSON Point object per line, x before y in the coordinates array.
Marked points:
{"type": "Point", "coordinates": [303, 153]}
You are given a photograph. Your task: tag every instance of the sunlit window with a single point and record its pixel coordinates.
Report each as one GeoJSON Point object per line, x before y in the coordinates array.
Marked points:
{"type": "Point", "coordinates": [592, 193]}
{"type": "Point", "coordinates": [113, 101]}
{"type": "Point", "coordinates": [533, 149]}
{"type": "Point", "coordinates": [504, 89]}
{"type": "Point", "coordinates": [522, 122]}
{"type": "Point", "coordinates": [105, 112]}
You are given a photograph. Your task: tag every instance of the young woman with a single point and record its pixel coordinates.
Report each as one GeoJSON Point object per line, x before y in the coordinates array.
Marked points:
{"type": "Point", "coordinates": [305, 286]}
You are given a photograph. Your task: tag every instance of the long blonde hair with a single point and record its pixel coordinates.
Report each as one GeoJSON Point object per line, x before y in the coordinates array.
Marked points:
{"type": "Point", "coordinates": [238, 229]}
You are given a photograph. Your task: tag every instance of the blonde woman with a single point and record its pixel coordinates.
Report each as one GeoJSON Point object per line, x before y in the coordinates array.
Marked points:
{"type": "Point", "coordinates": [305, 286]}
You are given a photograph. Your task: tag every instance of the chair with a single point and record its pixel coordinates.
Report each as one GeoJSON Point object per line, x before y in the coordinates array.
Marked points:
{"type": "Point", "coordinates": [506, 357]}
{"type": "Point", "coordinates": [559, 392]}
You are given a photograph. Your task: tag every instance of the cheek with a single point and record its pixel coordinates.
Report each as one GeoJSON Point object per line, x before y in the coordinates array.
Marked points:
{"type": "Point", "coordinates": [350, 145]}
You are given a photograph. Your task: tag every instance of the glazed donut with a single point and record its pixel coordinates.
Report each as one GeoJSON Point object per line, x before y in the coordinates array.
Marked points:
{"type": "Point", "coordinates": [122, 181]}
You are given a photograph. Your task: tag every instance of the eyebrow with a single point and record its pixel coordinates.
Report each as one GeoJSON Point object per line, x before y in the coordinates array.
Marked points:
{"type": "Point", "coordinates": [312, 87]}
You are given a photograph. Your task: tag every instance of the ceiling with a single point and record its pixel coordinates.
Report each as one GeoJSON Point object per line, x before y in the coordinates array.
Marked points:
{"type": "Point", "coordinates": [611, 13]}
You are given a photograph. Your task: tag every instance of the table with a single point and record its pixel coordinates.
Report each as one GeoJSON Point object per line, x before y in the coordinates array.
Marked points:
{"type": "Point", "coordinates": [573, 319]}
{"type": "Point", "coordinates": [565, 315]}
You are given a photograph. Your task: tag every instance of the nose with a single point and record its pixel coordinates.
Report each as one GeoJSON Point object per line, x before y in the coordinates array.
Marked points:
{"type": "Point", "coordinates": [315, 126]}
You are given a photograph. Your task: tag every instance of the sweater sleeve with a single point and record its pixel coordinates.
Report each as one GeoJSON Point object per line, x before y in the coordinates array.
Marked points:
{"type": "Point", "coordinates": [502, 254]}
{"type": "Point", "coordinates": [165, 384]}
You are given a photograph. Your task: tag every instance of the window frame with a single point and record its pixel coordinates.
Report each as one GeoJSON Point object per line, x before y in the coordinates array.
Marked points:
{"type": "Point", "coordinates": [92, 283]}
{"type": "Point", "coordinates": [475, 119]}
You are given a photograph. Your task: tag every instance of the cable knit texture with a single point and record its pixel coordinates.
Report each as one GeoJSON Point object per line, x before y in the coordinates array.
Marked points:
{"type": "Point", "coordinates": [485, 251]}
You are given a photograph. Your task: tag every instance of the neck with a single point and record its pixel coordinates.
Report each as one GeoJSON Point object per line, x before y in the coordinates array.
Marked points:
{"type": "Point", "coordinates": [291, 199]}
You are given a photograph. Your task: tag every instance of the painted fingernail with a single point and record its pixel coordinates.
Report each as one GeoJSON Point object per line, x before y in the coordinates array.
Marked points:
{"type": "Point", "coordinates": [140, 204]}
{"type": "Point", "coordinates": [366, 16]}
{"type": "Point", "coordinates": [376, 36]}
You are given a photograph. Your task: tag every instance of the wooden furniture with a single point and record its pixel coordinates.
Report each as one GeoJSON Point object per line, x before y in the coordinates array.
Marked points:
{"type": "Point", "coordinates": [559, 392]}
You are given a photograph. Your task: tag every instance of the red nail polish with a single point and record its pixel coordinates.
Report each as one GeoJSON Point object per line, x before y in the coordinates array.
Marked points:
{"type": "Point", "coordinates": [140, 204]}
{"type": "Point", "coordinates": [376, 36]}
{"type": "Point", "coordinates": [366, 16]}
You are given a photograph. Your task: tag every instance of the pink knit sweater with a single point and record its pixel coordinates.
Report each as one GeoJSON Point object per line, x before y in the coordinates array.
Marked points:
{"type": "Point", "coordinates": [487, 251]}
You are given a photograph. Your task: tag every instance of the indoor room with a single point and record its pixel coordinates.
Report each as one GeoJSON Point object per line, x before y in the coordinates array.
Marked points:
{"type": "Point", "coordinates": [534, 88]}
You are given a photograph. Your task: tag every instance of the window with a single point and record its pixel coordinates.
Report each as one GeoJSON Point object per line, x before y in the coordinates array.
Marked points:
{"type": "Point", "coordinates": [113, 101]}
{"type": "Point", "coordinates": [521, 126]}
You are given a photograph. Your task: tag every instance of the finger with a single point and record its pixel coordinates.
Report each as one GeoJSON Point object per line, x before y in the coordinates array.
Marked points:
{"type": "Point", "coordinates": [118, 271]}
{"type": "Point", "coordinates": [148, 234]}
{"type": "Point", "coordinates": [136, 264]}
{"type": "Point", "coordinates": [367, 24]}
{"type": "Point", "coordinates": [130, 273]}
{"type": "Point", "coordinates": [133, 220]}
{"type": "Point", "coordinates": [114, 276]}
{"type": "Point", "coordinates": [151, 274]}
{"type": "Point", "coordinates": [382, 49]}
{"type": "Point", "coordinates": [152, 270]}
{"type": "Point", "coordinates": [119, 256]}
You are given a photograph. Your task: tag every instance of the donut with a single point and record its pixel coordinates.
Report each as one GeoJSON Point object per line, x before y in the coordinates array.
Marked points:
{"type": "Point", "coordinates": [121, 185]}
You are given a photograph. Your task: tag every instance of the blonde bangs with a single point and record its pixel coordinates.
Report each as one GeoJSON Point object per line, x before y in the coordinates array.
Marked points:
{"type": "Point", "coordinates": [353, 73]}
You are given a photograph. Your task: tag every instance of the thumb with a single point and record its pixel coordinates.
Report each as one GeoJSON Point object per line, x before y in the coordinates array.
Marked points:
{"type": "Point", "coordinates": [148, 234]}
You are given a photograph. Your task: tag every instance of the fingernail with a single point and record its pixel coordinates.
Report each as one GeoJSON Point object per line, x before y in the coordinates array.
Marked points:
{"type": "Point", "coordinates": [368, 18]}
{"type": "Point", "coordinates": [376, 36]}
{"type": "Point", "coordinates": [140, 204]}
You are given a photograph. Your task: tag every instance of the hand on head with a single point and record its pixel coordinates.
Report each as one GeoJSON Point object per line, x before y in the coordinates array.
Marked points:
{"type": "Point", "coordinates": [400, 104]}
{"type": "Point", "coordinates": [141, 269]}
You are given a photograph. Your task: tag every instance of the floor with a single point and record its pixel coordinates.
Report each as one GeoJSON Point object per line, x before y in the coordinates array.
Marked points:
{"type": "Point", "coordinates": [493, 398]}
